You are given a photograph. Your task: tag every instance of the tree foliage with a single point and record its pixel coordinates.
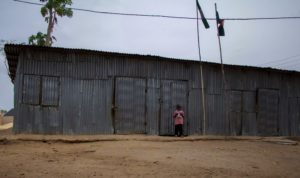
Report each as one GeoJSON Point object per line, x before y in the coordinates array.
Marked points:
{"type": "Point", "coordinates": [50, 11]}
{"type": "Point", "coordinates": [38, 39]}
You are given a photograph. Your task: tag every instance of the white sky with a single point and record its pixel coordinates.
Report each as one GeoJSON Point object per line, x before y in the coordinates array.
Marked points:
{"type": "Point", "coordinates": [246, 42]}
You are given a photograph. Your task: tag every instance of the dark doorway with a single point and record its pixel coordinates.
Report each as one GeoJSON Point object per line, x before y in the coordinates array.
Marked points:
{"type": "Point", "coordinates": [172, 93]}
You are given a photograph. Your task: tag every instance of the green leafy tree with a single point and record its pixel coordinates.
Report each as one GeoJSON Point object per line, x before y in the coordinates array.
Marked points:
{"type": "Point", "coordinates": [38, 39]}
{"type": "Point", "coordinates": [50, 11]}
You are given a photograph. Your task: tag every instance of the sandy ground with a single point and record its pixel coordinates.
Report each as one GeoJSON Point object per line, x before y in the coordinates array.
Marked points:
{"type": "Point", "coordinates": [145, 156]}
{"type": "Point", "coordinates": [6, 126]}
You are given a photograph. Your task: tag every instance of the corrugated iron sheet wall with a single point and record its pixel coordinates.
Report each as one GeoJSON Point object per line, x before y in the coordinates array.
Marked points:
{"type": "Point", "coordinates": [249, 123]}
{"type": "Point", "coordinates": [86, 106]}
{"type": "Point", "coordinates": [294, 116]}
{"type": "Point", "coordinates": [195, 112]}
{"type": "Point", "coordinates": [172, 93]}
{"type": "Point", "coordinates": [180, 96]}
{"type": "Point", "coordinates": [268, 112]}
{"type": "Point", "coordinates": [50, 91]}
{"type": "Point", "coordinates": [130, 105]}
{"type": "Point", "coordinates": [73, 93]}
{"type": "Point", "coordinates": [31, 89]}
{"type": "Point", "coordinates": [216, 121]}
{"type": "Point", "coordinates": [153, 106]}
{"type": "Point", "coordinates": [235, 112]}
{"type": "Point", "coordinates": [166, 125]}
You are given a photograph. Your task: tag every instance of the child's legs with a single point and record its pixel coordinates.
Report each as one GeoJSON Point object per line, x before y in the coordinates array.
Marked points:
{"type": "Point", "coordinates": [180, 129]}
{"type": "Point", "coordinates": [177, 130]}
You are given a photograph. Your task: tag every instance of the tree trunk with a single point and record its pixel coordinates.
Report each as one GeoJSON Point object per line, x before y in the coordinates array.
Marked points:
{"type": "Point", "coordinates": [50, 28]}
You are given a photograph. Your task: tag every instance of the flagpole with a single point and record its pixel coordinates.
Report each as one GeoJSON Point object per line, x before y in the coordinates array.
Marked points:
{"type": "Point", "coordinates": [221, 56]}
{"type": "Point", "coordinates": [224, 85]}
{"type": "Point", "coordinates": [201, 74]}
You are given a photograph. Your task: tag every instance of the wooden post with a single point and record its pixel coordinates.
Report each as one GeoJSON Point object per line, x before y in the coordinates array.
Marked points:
{"type": "Point", "coordinates": [221, 56]}
{"type": "Point", "coordinates": [201, 75]}
{"type": "Point", "coordinates": [224, 84]}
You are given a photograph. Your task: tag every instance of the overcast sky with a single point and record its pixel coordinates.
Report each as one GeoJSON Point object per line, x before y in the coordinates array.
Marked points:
{"type": "Point", "coordinates": [254, 43]}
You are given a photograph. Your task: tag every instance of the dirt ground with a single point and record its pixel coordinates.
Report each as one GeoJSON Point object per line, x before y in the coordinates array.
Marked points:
{"type": "Point", "coordinates": [145, 156]}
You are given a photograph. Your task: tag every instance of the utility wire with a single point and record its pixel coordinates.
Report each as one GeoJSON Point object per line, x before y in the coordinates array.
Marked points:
{"type": "Point", "coordinates": [288, 62]}
{"type": "Point", "coordinates": [279, 61]}
{"type": "Point", "coordinates": [291, 66]}
{"type": "Point", "coordinates": [164, 16]}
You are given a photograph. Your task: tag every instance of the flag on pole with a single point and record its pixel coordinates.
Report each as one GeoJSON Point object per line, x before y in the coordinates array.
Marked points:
{"type": "Point", "coordinates": [220, 23]}
{"type": "Point", "coordinates": [205, 23]}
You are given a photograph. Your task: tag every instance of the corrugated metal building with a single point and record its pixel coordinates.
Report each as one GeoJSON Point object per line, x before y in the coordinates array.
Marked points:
{"type": "Point", "coordinates": [75, 91]}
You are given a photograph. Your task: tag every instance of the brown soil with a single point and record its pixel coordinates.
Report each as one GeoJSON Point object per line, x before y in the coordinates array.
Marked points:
{"type": "Point", "coordinates": [144, 156]}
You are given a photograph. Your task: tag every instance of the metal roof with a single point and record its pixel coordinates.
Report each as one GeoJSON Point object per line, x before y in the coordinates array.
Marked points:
{"type": "Point", "coordinates": [13, 50]}
{"type": "Point", "coordinates": [10, 113]}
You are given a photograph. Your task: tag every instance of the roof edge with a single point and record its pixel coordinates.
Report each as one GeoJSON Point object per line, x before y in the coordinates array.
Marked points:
{"type": "Point", "coordinates": [13, 50]}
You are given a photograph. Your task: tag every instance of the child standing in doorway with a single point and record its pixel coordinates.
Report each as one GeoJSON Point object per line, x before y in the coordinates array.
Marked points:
{"type": "Point", "coordinates": [178, 117]}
